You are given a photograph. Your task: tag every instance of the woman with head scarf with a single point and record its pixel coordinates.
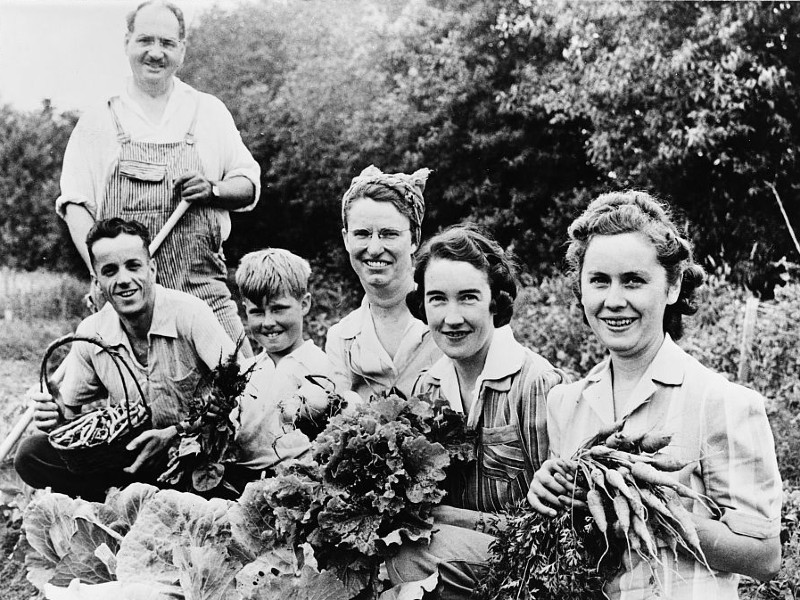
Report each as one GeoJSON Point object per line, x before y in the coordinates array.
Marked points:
{"type": "Point", "coordinates": [380, 347]}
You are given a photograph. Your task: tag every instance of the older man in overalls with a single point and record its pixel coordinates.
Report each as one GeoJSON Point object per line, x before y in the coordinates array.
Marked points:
{"type": "Point", "coordinates": [156, 143]}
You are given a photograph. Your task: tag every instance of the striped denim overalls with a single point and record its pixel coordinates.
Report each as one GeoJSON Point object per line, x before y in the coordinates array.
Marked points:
{"type": "Point", "coordinates": [190, 258]}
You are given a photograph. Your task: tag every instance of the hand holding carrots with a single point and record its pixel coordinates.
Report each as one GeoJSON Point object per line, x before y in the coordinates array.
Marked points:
{"type": "Point", "coordinates": [632, 491]}
{"type": "Point", "coordinates": [553, 488]}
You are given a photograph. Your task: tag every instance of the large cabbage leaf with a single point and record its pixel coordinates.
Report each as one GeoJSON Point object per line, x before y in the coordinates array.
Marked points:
{"type": "Point", "coordinates": [270, 511]}
{"type": "Point", "coordinates": [62, 535]}
{"type": "Point", "coordinates": [169, 522]}
{"type": "Point", "coordinates": [205, 573]}
{"type": "Point", "coordinates": [126, 503]}
{"type": "Point", "coordinates": [286, 574]}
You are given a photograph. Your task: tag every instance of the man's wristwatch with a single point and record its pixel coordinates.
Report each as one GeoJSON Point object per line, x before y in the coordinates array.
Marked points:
{"type": "Point", "coordinates": [215, 190]}
{"type": "Point", "coordinates": [182, 427]}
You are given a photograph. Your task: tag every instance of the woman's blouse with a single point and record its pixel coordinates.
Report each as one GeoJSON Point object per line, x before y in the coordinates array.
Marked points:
{"type": "Point", "coordinates": [361, 363]}
{"type": "Point", "coordinates": [508, 410]}
{"type": "Point", "coordinates": [721, 425]}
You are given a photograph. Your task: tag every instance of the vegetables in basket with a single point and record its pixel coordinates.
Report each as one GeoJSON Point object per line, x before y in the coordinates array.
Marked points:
{"type": "Point", "coordinates": [101, 426]}
{"type": "Point", "coordinates": [96, 441]}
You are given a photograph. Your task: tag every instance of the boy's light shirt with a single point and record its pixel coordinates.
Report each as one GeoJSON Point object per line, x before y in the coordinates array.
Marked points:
{"type": "Point", "coordinates": [262, 438]}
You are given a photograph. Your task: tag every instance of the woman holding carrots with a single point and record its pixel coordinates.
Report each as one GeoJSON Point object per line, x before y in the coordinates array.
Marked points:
{"type": "Point", "coordinates": [465, 293]}
{"type": "Point", "coordinates": [634, 276]}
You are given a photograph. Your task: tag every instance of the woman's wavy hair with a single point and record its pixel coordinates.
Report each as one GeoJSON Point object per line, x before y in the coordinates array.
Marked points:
{"type": "Point", "coordinates": [616, 213]}
{"type": "Point", "coordinates": [467, 243]}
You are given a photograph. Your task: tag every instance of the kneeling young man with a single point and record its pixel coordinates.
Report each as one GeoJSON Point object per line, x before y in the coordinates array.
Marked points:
{"type": "Point", "coordinates": [170, 339]}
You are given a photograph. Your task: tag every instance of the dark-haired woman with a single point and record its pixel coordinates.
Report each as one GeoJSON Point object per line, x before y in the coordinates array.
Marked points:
{"type": "Point", "coordinates": [380, 347]}
{"type": "Point", "coordinates": [465, 292]}
{"type": "Point", "coordinates": [634, 276]}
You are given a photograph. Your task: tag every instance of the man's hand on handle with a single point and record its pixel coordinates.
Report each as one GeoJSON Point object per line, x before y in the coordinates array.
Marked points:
{"type": "Point", "coordinates": [234, 192]}
{"type": "Point", "coordinates": [46, 412]}
{"type": "Point", "coordinates": [194, 187]}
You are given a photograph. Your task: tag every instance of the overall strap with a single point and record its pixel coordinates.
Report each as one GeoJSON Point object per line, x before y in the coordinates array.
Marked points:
{"type": "Point", "coordinates": [122, 136]}
{"type": "Point", "coordinates": [189, 137]}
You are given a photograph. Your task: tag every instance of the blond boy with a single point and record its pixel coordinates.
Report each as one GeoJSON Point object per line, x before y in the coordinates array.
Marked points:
{"type": "Point", "coordinates": [274, 288]}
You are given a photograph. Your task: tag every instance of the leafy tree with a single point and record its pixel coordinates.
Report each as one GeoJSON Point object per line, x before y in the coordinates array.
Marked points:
{"type": "Point", "coordinates": [695, 101]}
{"type": "Point", "coordinates": [525, 109]}
{"type": "Point", "coordinates": [31, 148]}
{"type": "Point", "coordinates": [301, 119]}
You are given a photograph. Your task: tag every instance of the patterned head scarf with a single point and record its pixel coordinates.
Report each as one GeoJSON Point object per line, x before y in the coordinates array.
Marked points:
{"type": "Point", "coordinates": [403, 191]}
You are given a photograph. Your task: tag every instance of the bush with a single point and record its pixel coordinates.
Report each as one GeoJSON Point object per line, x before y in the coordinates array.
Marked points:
{"type": "Point", "coordinates": [333, 296]}
{"type": "Point", "coordinates": [548, 320]}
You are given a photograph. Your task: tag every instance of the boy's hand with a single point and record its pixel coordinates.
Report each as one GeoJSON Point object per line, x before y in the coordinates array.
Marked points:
{"type": "Point", "coordinates": [314, 399]}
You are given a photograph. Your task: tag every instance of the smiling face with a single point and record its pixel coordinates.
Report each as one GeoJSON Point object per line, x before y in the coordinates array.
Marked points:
{"type": "Point", "coordinates": [457, 307]}
{"type": "Point", "coordinates": [378, 240]}
{"type": "Point", "coordinates": [624, 293]}
{"type": "Point", "coordinates": [154, 48]}
{"type": "Point", "coordinates": [125, 274]}
{"type": "Point", "coordinates": [277, 325]}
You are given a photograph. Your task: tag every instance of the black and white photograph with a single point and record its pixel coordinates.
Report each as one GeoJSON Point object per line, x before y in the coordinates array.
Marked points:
{"type": "Point", "coordinates": [399, 300]}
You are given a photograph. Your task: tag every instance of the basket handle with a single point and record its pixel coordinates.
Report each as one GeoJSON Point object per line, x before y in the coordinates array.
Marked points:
{"type": "Point", "coordinates": [116, 358]}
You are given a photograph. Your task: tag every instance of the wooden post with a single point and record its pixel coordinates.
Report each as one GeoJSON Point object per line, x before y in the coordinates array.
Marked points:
{"type": "Point", "coordinates": [748, 329]}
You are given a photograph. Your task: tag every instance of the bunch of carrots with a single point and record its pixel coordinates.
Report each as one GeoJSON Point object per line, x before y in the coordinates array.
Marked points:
{"type": "Point", "coordinates": [631, 487]}
{"type": "Point", "coordinates": [98, 427]}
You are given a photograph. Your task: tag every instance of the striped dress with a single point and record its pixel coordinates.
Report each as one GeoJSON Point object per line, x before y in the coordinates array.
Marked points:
{"type": "Point", "coordinates": [508, 411]}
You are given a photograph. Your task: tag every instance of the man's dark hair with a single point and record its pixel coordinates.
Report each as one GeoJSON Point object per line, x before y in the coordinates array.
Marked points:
{"type": "Point", "coordinates": [111, 228]}
{"type": "Point", "coordinates": [130, 20]}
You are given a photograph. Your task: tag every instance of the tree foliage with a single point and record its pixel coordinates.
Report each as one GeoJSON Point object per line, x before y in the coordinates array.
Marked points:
{"type": "Point", "coordinates": [525, 109]}
{"type": "Point", "coordinates": [31, 148]}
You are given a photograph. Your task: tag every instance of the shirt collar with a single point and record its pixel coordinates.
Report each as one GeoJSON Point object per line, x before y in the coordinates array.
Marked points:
{"type": "Point", "coordinates": [667, 368]}
{"type": "Point", "coordinates": [307, 355]}
{"type": "Point", "coordinates": [164, 316]}
{"type": "Point", "coordinates": [179, 90]}
{"type": "Point", "coordinates": [505, 358]}
{"type": "Point", "coordinates": [361, 323]}
{"type": "Point", "coordinates": [164, 322]}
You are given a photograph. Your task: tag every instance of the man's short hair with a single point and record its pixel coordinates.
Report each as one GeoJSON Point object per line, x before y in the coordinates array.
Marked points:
{"type": "Point", "coordinates": [130, 20]}
{"type": "Point", "coordinates": [111, 228]}
{"type": "Point", "coordinates": [269, 273]}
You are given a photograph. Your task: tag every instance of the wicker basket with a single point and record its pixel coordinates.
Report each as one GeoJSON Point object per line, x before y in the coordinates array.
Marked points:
{"type": "Point", "coordinates": [99, 452]}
